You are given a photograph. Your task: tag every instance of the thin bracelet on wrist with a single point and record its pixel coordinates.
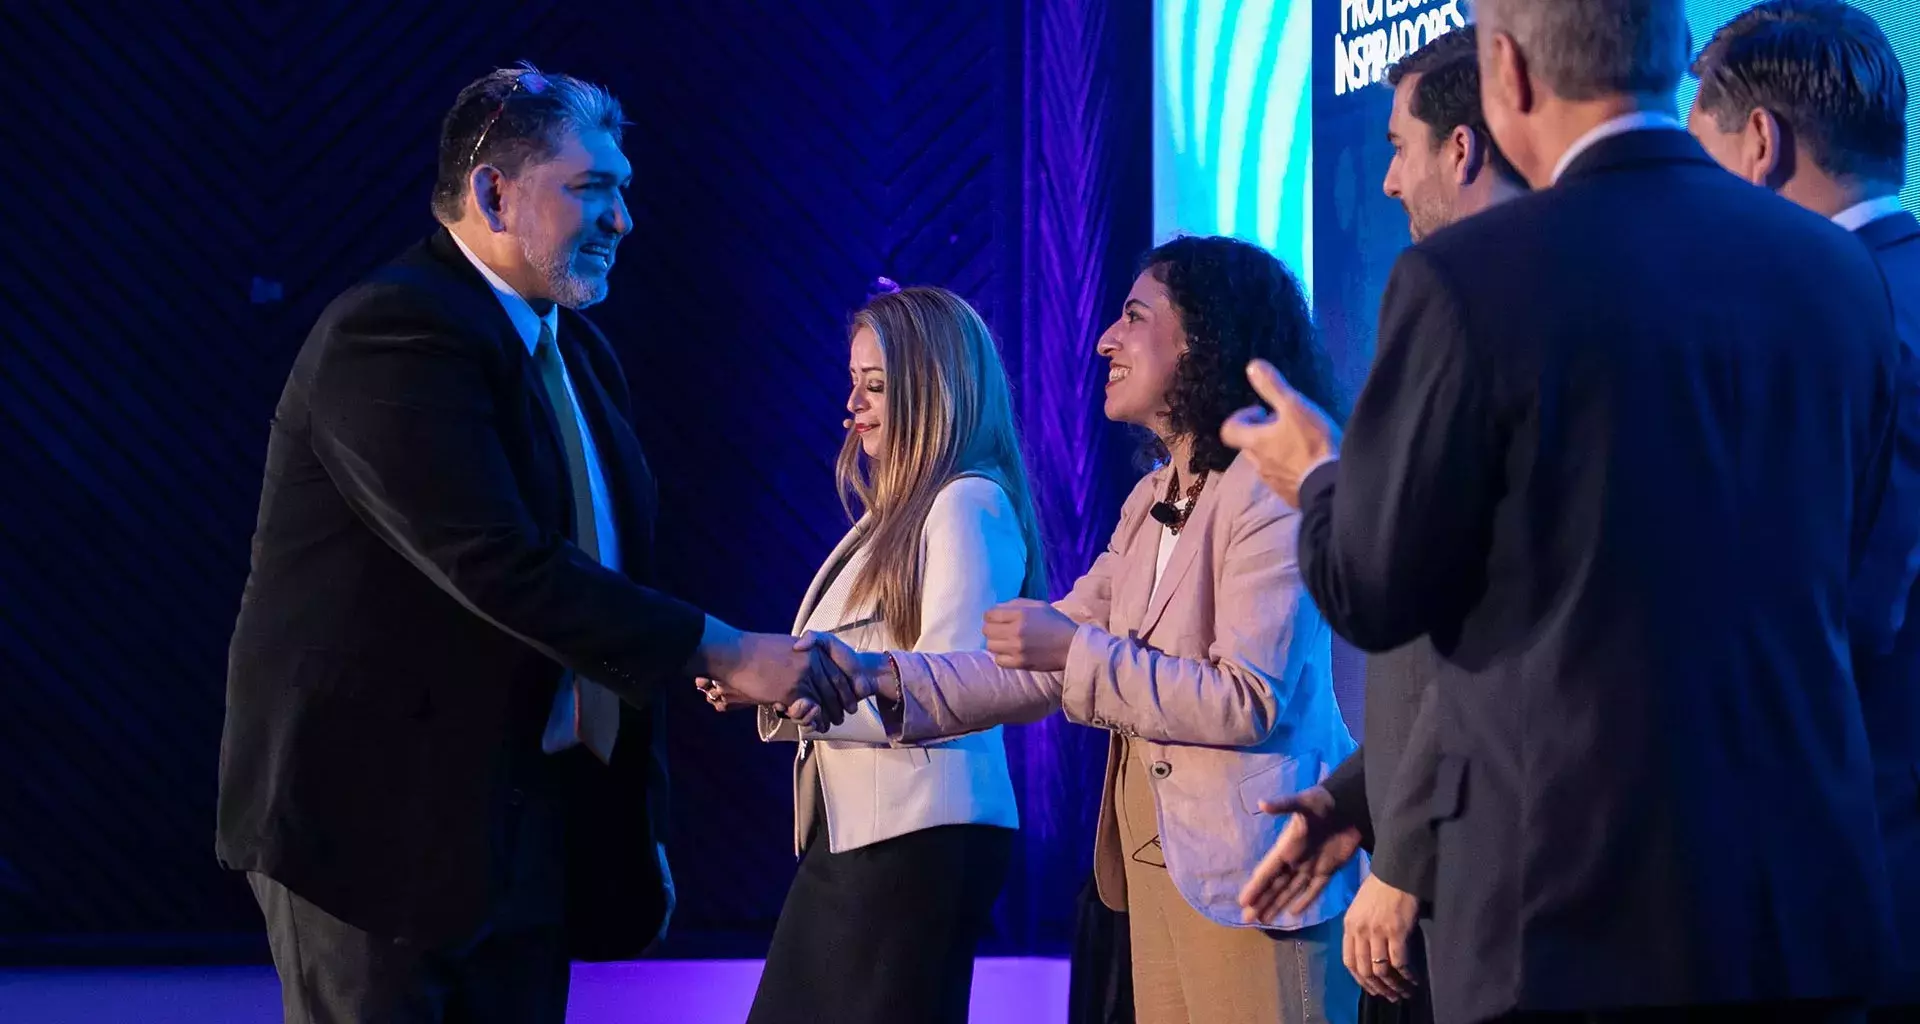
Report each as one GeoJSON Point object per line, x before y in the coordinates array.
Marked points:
{"type": "Point", "coordinates": [893, 665]}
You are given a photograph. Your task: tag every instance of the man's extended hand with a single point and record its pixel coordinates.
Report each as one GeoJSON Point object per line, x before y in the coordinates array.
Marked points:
{"type": "Point", "coordinates": [1378, 925]}
{"type": "Point", "coordinates": [760, 668]}
{"type": "Point", "coordinates": [1312, 848]}
{"type": "Point", "coordinates": [719, 696]}
{"type": "Point", "coordinates": [1287, 443]}
{"type": "Point", "coordinates": [1029, 634]}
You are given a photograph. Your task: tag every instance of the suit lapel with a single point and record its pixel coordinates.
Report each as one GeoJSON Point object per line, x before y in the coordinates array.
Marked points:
{"type": "Point", "coordinates": [630, 483]}
{"type": "Point", "coordinates": [477, 295]}
{"type": "Point", "coordinates": [551, 446]}
{"type": "Point", "coordinates": [1133, 584]}
{"type": "Point", "coordinates": [828, 570]}
{"type": "Point", "coordinates": [1186, 551]}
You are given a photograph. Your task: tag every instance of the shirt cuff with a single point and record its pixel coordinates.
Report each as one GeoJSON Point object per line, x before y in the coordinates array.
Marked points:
{"type": "Point", "coordinates": [1319, 479]}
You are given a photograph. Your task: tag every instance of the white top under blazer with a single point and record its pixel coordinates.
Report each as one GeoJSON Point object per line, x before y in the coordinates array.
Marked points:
{"type": "Point", "coordinates": [973, 556]}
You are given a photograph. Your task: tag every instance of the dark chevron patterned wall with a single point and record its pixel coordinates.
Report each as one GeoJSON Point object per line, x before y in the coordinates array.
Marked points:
{"type": "Point", "coordinates": [1087, 186]}
{"type": "Point", "coordinates": [191, 182]}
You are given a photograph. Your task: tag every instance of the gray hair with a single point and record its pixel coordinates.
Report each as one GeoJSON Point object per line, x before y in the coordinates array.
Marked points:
{"type": "Point", "coordinates": [1589, 49]}
{"type": "Point", "coordinates": [511, 118]}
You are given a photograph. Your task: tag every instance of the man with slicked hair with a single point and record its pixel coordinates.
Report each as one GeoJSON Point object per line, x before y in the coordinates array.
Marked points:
{"type": "Point", "coordinates": [1445, 168]}
{"type": "Point", "coordinates": [1807, 98]}
{"type": "Point", "coordinates": [1621, 472]}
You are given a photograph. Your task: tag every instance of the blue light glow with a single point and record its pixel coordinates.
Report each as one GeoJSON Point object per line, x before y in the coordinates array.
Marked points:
{"type": "Point", "coordinates": [1233, 115]}
{"type": "Point", "coordinates": [1233, 125]}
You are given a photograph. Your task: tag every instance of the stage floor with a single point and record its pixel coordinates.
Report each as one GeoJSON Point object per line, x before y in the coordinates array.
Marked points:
{"type": "Point", "coordinates": [646, 992]}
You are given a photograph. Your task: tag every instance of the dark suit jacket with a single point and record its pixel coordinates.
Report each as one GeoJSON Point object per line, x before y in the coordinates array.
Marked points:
{"type": "Point", "coordinates": [1368, 792]}
{"type": "Point", "coordinates": [1617, 456]}
{"type": "Point", "coordinates": [1886, 648]}
{"type": "Point", "coordinates": [1396, 682]}
{"type": "Point", "coordinates": [414, 594]}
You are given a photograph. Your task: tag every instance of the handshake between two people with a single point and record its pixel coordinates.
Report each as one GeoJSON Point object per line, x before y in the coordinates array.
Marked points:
{"type": "Point", "coordinates": [817, 679]}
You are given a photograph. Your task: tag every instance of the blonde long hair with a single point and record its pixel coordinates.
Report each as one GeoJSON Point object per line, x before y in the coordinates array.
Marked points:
{"type": "Point", "coordinates": [949, 414]}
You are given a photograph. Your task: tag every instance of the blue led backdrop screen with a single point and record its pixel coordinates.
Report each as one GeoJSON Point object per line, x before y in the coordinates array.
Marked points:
{"type": "Point", "coordinates": [1356, 231]}
{"type": "Point", "coordinates": [1269, 123]}
{"type": "Point", "coordinates": [1232, 128]}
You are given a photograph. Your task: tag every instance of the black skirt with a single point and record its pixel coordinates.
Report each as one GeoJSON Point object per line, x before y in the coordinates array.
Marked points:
{"type": "Point", "coordinates": [1100, 987]}
{"type": "Point", "coordinates": [885, 933]}
{"type": "Point", "coordinates": [1416, 1010]}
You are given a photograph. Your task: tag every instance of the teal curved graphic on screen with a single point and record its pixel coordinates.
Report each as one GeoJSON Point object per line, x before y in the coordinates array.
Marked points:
{"type": "Point", "coordinates": [1233, 116]}
{"type": "Point", "coordinates": [1233, 125]}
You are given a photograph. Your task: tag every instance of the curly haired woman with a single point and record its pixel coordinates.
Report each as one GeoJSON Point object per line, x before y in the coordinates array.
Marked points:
{"type": "Point", "coordinates": [1193, 642]}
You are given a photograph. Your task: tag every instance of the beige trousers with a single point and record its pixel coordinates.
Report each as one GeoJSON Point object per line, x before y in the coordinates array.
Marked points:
{"type": "Point", "coordinates": [1190, 970]}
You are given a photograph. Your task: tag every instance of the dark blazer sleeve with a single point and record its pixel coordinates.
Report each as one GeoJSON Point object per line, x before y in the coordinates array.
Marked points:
{"type": "Point", "coordinates": [1348, 784]}
{"type": "Point", "coordinates": [1406, 849]}
{"type": "Point", "coordinates": [402, 417]}
{"type": "Point", "coordinates": [1889, 560]}
{"type": "Point", "coordinates": [1395, 528]}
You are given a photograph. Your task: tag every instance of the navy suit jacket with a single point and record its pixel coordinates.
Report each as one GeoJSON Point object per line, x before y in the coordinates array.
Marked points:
{"type": "Point", "coordinates": [1887, 643]}
{"type": "Point", "coordinates": [1618, 456]}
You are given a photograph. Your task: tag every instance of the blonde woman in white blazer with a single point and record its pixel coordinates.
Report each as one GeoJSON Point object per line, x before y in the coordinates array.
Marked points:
{"type": "Point", "coordinates": [904, 848]}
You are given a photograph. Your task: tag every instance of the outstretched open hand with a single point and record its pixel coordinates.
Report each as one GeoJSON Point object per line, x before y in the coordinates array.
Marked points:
{"type": "Point", "coordinates": [1313, 846]}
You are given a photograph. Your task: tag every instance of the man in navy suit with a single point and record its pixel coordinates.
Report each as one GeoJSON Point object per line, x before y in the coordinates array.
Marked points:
{"type": "Point", "coordinates": [1806, 97]}
{"type": "Point", "coordinates": [1621, 472]}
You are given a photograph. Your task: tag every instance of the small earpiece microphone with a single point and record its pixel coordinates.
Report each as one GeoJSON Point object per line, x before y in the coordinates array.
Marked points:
{"type": "Point", "coordinates": [846, 424]}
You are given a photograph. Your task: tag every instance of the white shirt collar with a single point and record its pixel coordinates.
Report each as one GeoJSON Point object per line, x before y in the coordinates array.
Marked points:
{"type": "Point", "coordinates": [1859, 215]}
{"type": "Point", "coordinates": [1638, 121]}
{"type": "Point", "coordinates": [525, 320]}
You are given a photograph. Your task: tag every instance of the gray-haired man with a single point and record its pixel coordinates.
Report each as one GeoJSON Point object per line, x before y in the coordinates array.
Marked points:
{"type": "Point", "coordinates": [1620, 471]}
{"type": "Point", "coordinates": [441, 767]}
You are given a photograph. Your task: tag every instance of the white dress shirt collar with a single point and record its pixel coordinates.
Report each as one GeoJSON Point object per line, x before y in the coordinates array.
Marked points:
{"type": "Point", "coordinates": [1859, 215]}
{"type": "Point", "coordinates": [525, 320]}
{"type": "Point", "coordinates": [1638, 121]}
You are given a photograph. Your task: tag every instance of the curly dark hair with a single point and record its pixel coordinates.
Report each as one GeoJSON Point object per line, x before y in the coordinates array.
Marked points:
{"type": "Point", "coordinates": [1236, 303]}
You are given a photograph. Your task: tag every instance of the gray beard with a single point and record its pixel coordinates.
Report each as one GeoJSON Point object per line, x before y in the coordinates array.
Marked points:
{"type": "Point", "coordinates": [567, 288]}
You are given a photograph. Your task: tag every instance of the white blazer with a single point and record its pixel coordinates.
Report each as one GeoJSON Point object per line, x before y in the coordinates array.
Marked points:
{"type": "Point", "coordinates": [972, 556]}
